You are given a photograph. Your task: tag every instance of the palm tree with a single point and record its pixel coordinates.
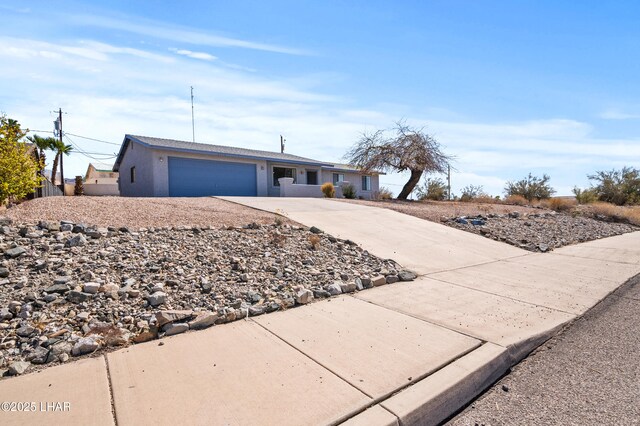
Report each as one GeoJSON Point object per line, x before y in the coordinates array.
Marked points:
{"type": "Point", "coordinates": [41, 145]}
{"type": "Point", "coordinates": [60, 148]}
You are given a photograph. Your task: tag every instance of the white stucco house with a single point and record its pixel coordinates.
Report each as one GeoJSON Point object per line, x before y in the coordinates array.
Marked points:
{"type": "Point", "coordinates": [100, 179]}
{"type": "Point", "coordinates": [155, 167]}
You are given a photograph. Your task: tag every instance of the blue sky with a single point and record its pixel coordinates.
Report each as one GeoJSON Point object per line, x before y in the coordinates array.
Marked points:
{"type": "Point", "coordinates": [508, 87]}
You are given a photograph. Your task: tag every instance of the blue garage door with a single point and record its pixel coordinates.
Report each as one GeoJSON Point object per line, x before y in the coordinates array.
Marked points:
{"type": "Point", "coordinates": [200, 178]}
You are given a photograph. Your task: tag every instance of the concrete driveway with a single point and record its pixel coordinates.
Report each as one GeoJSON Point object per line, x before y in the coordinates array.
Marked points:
{"type": "Point", "coordinates": [406, 353]}
{"type": "Point", "coordinates": [416, 244]}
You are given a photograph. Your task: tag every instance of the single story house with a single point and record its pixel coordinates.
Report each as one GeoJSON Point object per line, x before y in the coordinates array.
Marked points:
{"type": "Point", "coordinates": [100, 180]}
{"type": "Point", "coordinates": [155, 167]}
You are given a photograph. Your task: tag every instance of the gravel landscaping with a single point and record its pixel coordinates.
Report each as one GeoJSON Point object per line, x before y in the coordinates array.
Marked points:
{"type": "Point", "coordinates": [137, 212]}
{"type": "Point", "coordinates": [530, 228]}
{"type": "Point", "coordinates": [69, 290]}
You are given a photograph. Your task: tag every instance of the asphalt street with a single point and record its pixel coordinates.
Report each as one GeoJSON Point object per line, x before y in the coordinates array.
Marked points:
{"type": "Point", "coordinates": [589, 374]}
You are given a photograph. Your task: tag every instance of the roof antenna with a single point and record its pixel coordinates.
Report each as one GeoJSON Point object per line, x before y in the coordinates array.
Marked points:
{"type": "Point", "coordinates": [193, 123]}
{"type": "Point", "coordinates": [282, 141]}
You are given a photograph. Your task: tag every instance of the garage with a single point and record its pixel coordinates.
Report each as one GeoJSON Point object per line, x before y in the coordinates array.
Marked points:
{"type": "Point", "coordinates": [190, 177]}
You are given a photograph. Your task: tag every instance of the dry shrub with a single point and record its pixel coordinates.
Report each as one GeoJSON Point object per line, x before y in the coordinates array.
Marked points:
{"type": "Point", "coordinates": [517, 200]}
{"type": "Point", "coordinates": [383, 194]}
{"type": "Point", "coordinates": [314, 240]}
{"type": "Point", "coordinates": [559, 204]}
{"type": "Point", "coordinates": [111, 335]}
{"type": "Point", "coordinates": [328, 190]}
{"type": "Point", "coordinates": [486, 199]}
{"type": "Point", "coordinates": [615, 213]}
{"type": "Point", "coordinates": [278, 239]}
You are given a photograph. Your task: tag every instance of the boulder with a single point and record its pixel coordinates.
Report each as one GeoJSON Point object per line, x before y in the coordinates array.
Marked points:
{"type": "Point", "coordinates": [18, 367]}
{"type": "Point", "coordinates": [204, 320]}
{"type": "Point", "coordinates": [175, 328]}
{"type": "Point", "coordinates": [378, 280]}
{"type": "Point", "coordinates": [304, 296]}
{"type": "Point", "coordinates": [15, 252]}
{"type": "Point", "coordinates": [86, 345]}
{"type": "Point", "coordinates": [157, 298]}
{"type": "Point", "coordinates": [407, 276]}
{"type": "Point", "coordinates": [166, 317]}
{"type": "Point", "coordinates": [334, 289]}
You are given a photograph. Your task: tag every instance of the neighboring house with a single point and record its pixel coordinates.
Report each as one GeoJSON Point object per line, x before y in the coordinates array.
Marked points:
{"type": "Point", "coordinates": [154, 167]}
{"type": "Point", "coordinates": [100, 181]}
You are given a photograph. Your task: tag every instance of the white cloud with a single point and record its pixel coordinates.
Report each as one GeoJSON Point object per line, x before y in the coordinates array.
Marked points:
{"type": "Point", "coordinates": [195, 55]}
{"type": "Point", "coordinates": [176, 34]}
{"type": "Point", "coordinates": [110, 90]}
{"type": "Point", "coordinates": [614, 114]}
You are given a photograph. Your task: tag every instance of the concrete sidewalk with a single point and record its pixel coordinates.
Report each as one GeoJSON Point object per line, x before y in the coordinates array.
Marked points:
{"type": "Point", "coordinates": [404, 353]}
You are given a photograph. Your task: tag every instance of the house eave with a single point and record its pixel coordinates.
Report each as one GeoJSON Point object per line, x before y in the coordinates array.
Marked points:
{"type": "Point", "coordinates": [129, 138]}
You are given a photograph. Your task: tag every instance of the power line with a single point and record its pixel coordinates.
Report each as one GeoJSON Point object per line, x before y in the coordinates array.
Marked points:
{"type": "Point", "coordinates": [90, 154]}
{"type": "Point", "coordinates": [78, 136]}
{"type": "Point", "coordinates": [93, 139]}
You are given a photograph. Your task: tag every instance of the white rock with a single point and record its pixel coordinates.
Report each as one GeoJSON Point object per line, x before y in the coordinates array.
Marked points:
{"type": "Point", "coordinates": [86, 345]}
{"type": "Point", "coordinates": [304, 296]}
{"type": "Point", "coordinates": [91, 288]}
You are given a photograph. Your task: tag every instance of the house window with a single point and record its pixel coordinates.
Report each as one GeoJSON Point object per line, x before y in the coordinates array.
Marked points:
{"type": "Point", "coordinates": [338, 178]}
{"type": "Point", "coordinates": [133, 174]}
{"type": "Point", "coordinates": [281, 172]}
{"type": "Point", "coordinates": [366, 183]}
{"type": "Point", "coordinates": [312, 178]}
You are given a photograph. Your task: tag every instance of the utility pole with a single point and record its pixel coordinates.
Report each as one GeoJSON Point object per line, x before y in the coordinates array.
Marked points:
{"type": "Point", "coordinates": [282, 141]}
{"type": "Point", "coordinates": [448, 182]}
{"type": "Point", "coordinates": [61, 154]}
{"type": "Point", "coordinates": [193, 122]}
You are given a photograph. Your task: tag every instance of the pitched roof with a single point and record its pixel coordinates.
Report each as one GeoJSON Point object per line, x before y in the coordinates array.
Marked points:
{"type": "Point", "coordinates": [227, 151]}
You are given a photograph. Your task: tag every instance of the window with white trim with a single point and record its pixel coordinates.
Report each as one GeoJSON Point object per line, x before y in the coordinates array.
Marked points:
{"type": "Point", "coordinates": [366, 183]}
{"type": "Point", "coordinates": [338, 178]}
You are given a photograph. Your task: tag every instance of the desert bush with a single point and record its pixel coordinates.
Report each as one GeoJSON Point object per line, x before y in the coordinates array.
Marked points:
{"type": "Point", "coordinates": [328, 190]}
{"type": "Point", "coordinates": [487, 199]}
{"type": "Point", "coordinates": [531, 188]}
{"type": "Point", "coordinates": [472, 192]}
{"type": "Point", "coordinates": [612, 212]}
{"type": "Point", "coordinates": [432, 189]}
{"type": "Point", "coordinates": [314, 240]}
{"type": "Point", "coordinates": [517, 200]}
{"type": "Point", "coordinates": [349, 191]}
{"type": "Point", "coordinates": [383, 193]}
{"type": "Point", "coordinates": [559, 204]}
{"type": "Point", "coordinates": [78, 189]}
{"type": "Point", "coordinates": [19, 170]}
{"type": "Point", "coordinates": [585, 196]}
{"type": "Point", "coordinates": [620, 187]}
{"type": "Point", "coordinates": [278, 239]}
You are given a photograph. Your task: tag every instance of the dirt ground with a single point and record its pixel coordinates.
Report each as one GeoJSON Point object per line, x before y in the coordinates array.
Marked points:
{"type": "Point", "coordinates": [438, 211]}
{"type": "Point", "coordinates": [137, 213]}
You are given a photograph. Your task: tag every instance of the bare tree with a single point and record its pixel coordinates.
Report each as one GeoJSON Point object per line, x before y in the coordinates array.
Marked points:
{"type": "Point", "coordinates": [405, 149]}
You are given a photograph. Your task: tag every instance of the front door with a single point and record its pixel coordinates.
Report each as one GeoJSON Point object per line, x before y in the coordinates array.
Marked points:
{"type": "Point", "coordinates": [312, 178]}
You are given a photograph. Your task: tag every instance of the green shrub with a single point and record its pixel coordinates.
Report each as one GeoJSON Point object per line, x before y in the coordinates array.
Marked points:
{"type": "Point", "coordinates": [79, 186]}
{"type": "Point", "coordinates": [19, 170]}
{"type": "Point", "coordinates": [328, 190]}
{"type": "Point", "coordinates": [349, 191]}
{"type": "Point", "coordinates": [618, 187]}
{"type": "Point", "coordinates": [585, 196]}
{"type": "Point", "coordinates": [432, 189]}
{"type": "Point", "coordinates": [531, 188]}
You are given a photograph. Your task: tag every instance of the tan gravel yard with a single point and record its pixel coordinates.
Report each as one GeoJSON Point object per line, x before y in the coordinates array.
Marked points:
{"type": "Point", "coordinates": [138, 213]}
{"type": "Point", "coordinates": [530, 228]}
{"type": "Point", "coordinates": [436, 211]}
